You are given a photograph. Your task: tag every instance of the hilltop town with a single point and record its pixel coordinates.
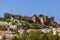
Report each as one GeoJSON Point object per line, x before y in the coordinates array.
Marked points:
{"type": "Point", "coordinates": [11, 25]}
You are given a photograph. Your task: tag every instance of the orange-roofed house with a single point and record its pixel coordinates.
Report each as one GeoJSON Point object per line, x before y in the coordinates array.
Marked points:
{"type": "Point", "coordinates": [1, 31]}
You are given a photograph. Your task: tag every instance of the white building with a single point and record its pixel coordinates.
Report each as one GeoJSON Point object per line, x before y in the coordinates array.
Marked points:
{"type": "Point", "coordinates": [14, 27]}
{"type": "Point", "coordinates": [12, 19]}
{"type": "Point", "coordinates": [10, 23]}
{"type": "Point", "coordinates": [0, 37]}
{"type": "Point", "coordinates": [3, 23]}
{"type": "Point", "coordinates": [45, 30]}
{"type": "Point", "coordinates": [54, 31]}
{"type": "Point", "coordinates": [21, 31]}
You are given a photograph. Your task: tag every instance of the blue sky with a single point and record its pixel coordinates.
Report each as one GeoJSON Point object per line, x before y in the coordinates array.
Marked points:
{"type": "Point", "coordinates": [31, 7]}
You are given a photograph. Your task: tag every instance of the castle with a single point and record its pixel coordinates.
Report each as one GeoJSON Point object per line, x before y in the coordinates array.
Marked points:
{"type": "Point", "coordinates": [38, 19]}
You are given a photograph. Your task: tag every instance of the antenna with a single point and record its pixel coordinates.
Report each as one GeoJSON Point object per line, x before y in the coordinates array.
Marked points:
{"type": "Point", "coordinates": [10, 11]}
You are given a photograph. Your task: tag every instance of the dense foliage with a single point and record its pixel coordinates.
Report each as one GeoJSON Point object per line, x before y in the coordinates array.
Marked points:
{"type": "Point", "coordinates": [38, 35]}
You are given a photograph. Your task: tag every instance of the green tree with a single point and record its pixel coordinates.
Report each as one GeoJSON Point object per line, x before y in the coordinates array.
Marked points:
{"type": "Point", "coordinates": [33, 36]}
{"type": "Point", "coordinates": [14, 38]}
{"type": "Point", "coordinates": [35, 25]}
{"type": "Point", "coordinates": [41, 15]}
{"type": "Point", "coordinates": [14, 22]}
{"type": "Point", "coordinates": [8, 20]}
{"type": "Point", "coordinates": [50, 35]}
{"type": "Point", "coordinates": [43, 37]}
{"type": "Point", "coordinates": [24, 35]}
{"type": "Point", "coordinates": [25, 25]}
{"type": "Point", "coordinates": [3, 38]}
{"type": "Point", "coordinates": [6, 16]}
{"type": "Point", "coordinates": [56, 37]}
{"type": "Point", "coordinates": [34, 15]}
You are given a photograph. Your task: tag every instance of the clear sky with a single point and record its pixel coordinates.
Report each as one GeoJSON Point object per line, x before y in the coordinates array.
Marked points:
{"type": "Point", "coordinates": [31, 7]}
